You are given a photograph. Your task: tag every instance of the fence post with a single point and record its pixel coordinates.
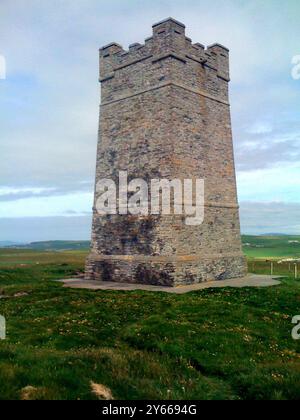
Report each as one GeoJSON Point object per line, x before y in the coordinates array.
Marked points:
{"type": "Point", "coordinates": [272, 268]}
{"type": "Point", "coordinates": [296, 271]}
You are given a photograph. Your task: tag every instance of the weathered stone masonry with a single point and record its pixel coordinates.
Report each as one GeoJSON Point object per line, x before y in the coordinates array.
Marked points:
{"type": "Point", "coordinates": [165, 114]}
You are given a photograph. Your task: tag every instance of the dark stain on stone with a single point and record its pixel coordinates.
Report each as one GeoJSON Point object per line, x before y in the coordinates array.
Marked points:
{"type": "Point", "coordinates": [146, 274]}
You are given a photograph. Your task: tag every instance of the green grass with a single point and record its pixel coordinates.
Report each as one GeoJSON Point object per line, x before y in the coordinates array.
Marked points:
{"type": "Point", "coordinates": [276, 247]}
{"type": "Point", "coordinates": [210, 344]}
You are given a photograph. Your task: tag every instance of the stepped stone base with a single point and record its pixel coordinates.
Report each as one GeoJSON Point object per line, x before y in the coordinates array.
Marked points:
{"type": "Point", "coordinates": [164, 271]}
{"type": "Point", "coordinates": [251, 280]}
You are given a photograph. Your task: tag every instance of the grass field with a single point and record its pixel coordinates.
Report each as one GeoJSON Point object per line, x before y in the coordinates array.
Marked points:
{"type": "Point", "coordinates": [257, 247]}
{"type": "Point", "coordinates": [281, 246]}
{"type": "Point", "coordinates": [210, 344]}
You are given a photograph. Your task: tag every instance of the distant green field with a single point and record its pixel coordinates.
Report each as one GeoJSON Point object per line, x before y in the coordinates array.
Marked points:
{"type": "Point", "coordinates": [56, 245]}
{"type": "Point", "coordinates": [257, 247]}
{"type": "Point", "coordinates": [271, 246]}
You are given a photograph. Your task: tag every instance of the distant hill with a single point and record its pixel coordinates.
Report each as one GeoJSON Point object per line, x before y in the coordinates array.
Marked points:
{"type": "Point", "coordinates": [54, 246]}
{"type": "Point", "coordinates": [4, 244]}
{"type": "Point", "coordinates": [274, 234]}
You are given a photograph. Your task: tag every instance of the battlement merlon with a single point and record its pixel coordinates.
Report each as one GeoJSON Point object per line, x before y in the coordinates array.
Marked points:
{"type": "Point", "coordinates": [169, 25]}
{"type": "Point", "coordinates": [221, 55]}
{"type": "Point", "coordinates": [168, 37]}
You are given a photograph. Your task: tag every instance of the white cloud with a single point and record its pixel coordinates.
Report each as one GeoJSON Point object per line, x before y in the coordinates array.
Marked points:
{"type": "Point", "coordinates": [260, 128]}
{"type": "Point", "coordinates": [2, 68]}
{"type": "Point", "coordinates": [270, 217]}
{"type": "Point", "coordinates": [279, 183]}
{"type": "Point", "coordinates": [33, 190]}
{"type": "Point", "coordinates": [53, 206]}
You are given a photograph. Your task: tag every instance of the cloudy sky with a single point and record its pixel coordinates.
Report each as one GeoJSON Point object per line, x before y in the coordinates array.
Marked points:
{"type": "Point", "coordinates": [49, 105]}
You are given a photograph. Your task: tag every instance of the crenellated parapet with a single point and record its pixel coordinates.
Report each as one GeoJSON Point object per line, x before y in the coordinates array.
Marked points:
{"type": "Point", "coordinates": [167, 56]}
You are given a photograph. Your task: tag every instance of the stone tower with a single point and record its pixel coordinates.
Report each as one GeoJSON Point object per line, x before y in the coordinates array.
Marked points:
{"type": "Point", "coordinates": [165, 114]}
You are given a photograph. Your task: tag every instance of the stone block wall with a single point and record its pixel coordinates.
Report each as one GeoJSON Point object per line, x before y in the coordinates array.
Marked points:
{"type": "Point", "coordinates": [165, 114]}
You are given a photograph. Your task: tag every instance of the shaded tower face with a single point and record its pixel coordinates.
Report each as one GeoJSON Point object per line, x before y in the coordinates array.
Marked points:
{"type": "Point", "coordinates": [165, 115]}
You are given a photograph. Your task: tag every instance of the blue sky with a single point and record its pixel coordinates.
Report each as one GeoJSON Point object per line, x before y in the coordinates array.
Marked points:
{"type": "Point", "coordinates": [49, 105]}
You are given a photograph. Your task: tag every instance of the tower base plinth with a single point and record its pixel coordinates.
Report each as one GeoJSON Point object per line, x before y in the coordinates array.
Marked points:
{"type": "Point", "coordinates": [164, 270]}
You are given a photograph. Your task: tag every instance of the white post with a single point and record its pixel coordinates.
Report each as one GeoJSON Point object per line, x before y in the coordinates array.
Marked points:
{"type": "Point", "coordinates": [2, 328]}
{"type": "Point", "coordinates": [296, 271]}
